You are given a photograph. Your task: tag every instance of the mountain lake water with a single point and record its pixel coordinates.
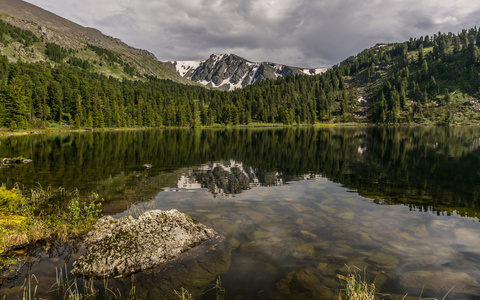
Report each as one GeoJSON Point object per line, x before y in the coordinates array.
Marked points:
{"type": "Point", "coordinates": [302, 207]}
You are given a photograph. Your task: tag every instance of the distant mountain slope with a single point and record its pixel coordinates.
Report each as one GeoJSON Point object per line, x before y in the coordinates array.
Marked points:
{"type": "Point", "coordinates": [67, 34]}
{"type": "Point", "coordinates": [431, 79]}
{"type": "Point", "coordinates": [229, 71]}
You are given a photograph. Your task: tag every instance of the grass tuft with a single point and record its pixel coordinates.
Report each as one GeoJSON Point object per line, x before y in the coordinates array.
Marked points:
{"type": "Point", "coordinates": [357, 288]}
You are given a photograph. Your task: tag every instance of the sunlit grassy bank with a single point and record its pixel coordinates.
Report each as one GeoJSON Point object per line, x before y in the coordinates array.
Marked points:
{"type": "Point", "coordinates": [56, 128]}
{"type": "Point", "coordinates": [43, 213]}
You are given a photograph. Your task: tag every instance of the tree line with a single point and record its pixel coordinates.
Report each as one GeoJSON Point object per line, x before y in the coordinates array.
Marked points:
{"type": "Point", "coordinates": [33, 95]}
{"type": "Point", "coordinates": [404, 82]}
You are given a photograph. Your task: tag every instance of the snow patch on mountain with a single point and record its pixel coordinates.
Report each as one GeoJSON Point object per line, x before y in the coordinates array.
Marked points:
{"type": "Point", "coordinates": [253, 71]}
{"type": "Point", "coordinates": [314, 71]}
{"type": "Point", "coordinates": [183, 67]}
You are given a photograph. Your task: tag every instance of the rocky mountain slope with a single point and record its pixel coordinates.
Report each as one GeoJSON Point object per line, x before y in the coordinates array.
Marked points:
{"type": "Point", "coordinates": [79, 41]}
{"type": "Point", "coordinates": [229, 71]}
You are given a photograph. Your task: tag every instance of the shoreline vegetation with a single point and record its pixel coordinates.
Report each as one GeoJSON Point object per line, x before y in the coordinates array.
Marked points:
{"type": "Point", "coordinates": [4, 132]}
{"type": "Point", "coordinates": [42, 214]}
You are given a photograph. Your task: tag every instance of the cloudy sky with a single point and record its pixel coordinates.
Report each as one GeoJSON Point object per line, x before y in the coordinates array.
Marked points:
{"type": "Point", "coordinates": [303, 33]}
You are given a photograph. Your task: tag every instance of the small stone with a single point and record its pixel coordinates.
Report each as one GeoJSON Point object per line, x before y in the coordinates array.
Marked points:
{"type": "Point", "coordinates": [304, 251]}
{"type": "Point", "coordinates": [378, 238]}
{"type": "Point", "coordinates": [299, 208]}
{"type": "Point", "coordinates": [331, 283]}
{"type": "Point", "coordinates": [234, 244]}
{"type": "Point", "coordinates": [213, 216]}
{"type": "Point", "coordinates": [327, 209]}
{"type": "Point", "coordinates": [261, 235]}
{"type": "Point", "coordinates": [365, 237]}
{"type": "Point", "coordinates": [308, 235]}
{"type": "Point", "coordinates": [354, 265]}
{"type": "Point", "coordinates": [386, 261]}
{"type": "Point", "coordinates": [331, 269]}
{"type": "Point", "coordinates": [366, 224]}
{"type": "Point", "coordinates": [405, 236]}
{"type": "Point", "coordinates": [304, 284]}
{"type": "Point", "coordinates": [300, 221]}
{"type": "Point", "coordinates": [380, 280]}
{"type": "Point", "coordinates": [348, 215]}
{"type": "Point", "coordinates": [345, 249]}
{"type": "Point", "coordinates": [418, 230]}
{"type": "Point", "coordinates": [323, 245]}
{"type": "Point", "coordinates": [321, 266]}
{"type": "Point", "coordinates": [253, 215]}
{"type": "Point", "coordinates": [269, 268]}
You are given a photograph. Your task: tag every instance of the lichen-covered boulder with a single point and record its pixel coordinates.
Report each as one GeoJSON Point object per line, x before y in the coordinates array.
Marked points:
{"type": "Point", "coordinates": [117, 248]}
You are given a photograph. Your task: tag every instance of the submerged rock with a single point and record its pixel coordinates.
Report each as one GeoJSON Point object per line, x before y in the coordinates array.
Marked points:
{"type": "Point", "coordinates": [385, 261]}
{"type": "Point", "coordinates": [303, 284]}
{"type": "Point", "coordinates": [117, 248]}
{"type": "Point", "coordinates": [194, 270]}
{"type": "Point", "coordinates": [442, 282]}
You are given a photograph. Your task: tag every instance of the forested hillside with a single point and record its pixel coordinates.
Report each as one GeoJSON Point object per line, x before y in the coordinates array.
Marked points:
{"type": "Point", "coordinates": [75, 43]}
{"type": "Point", "coordinates": [430, 79]}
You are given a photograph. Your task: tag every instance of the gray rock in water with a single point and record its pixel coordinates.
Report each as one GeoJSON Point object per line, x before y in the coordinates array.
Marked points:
{"type": "Point", "coordinates": [117, 248]}
{"type": "Point", "coordinates": [15, 160]}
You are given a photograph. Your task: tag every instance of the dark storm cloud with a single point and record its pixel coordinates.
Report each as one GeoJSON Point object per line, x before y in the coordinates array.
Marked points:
{"type": "Point", "coordinates": [308, 33]}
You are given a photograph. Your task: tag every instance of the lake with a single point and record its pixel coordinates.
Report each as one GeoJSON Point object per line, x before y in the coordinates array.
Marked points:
{"type": "Point", "coordinates": [302, 207]}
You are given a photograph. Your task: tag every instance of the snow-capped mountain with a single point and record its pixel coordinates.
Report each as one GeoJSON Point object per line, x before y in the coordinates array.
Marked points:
{"type": "Point", "coordinates": [229, 71]}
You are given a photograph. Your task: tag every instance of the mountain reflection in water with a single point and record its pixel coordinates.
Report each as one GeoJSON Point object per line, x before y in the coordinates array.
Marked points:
{"type": "Point", "coordinates": [301, 204]}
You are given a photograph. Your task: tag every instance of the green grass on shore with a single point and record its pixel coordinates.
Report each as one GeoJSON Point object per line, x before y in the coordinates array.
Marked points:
{"type": "Point", "coordinates": [43, 213]}
{"type": "Point", "coordinates": [56, 128]}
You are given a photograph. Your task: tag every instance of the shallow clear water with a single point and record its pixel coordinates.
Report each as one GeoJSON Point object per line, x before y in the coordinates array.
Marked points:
{"type": "Point", "coordinates": [302, 206]}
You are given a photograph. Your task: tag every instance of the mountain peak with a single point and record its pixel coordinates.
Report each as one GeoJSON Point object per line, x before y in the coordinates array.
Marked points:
{"type": "Point", "coordinates": [229, 71]}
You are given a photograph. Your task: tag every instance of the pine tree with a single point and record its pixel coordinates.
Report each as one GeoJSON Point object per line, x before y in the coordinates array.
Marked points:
{"type": "Point", "coordinates": [77, 122]}
{"type": "Point", "coordinates": [89, 122]}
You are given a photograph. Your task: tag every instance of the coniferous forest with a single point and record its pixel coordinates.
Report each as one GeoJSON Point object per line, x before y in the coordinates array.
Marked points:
{"type": "Point", "coordinates": [424, 80]}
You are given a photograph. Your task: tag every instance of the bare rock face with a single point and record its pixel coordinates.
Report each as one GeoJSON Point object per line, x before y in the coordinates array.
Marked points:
{"type": "Point", "coordinates": [117, 248]}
